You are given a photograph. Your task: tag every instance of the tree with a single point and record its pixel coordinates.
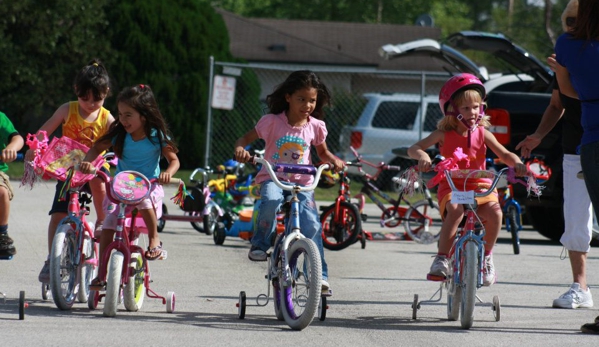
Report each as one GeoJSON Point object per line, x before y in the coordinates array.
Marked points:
{"type": "Point", "coordinates": [43, 45]}
{"type": "Point", "coordinates": [167, 44]}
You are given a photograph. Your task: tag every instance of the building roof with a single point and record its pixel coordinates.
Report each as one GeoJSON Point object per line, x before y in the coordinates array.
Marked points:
{"type": "Point", "coordinates": [262, 40]}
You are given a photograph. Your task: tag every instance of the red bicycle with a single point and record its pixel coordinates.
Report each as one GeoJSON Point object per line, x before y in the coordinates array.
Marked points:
{"type": "Point", "coordinates": [342, 221]}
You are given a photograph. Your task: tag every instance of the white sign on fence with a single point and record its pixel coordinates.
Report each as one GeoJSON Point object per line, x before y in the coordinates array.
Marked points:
{"type": "Point", "coordinates": [223, 94]}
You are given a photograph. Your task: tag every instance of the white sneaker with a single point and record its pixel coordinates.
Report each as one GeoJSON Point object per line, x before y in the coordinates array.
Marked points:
{"type": "Point", "coordinates": [489, 275]}
{"type": "Point", "coordinates": [325, 288]}
{"type": "Point", "coordinates": [440, 266]}
{"type": "Point", "coordinates": [574, 298]}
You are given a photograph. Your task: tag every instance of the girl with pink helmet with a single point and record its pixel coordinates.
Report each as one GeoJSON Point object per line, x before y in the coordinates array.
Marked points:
{"type": "Point", "coordinates": [463, 129]}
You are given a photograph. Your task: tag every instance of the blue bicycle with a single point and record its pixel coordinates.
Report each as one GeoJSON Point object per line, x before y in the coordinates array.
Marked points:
{"type": "Point", "coordinates": [294, 266]}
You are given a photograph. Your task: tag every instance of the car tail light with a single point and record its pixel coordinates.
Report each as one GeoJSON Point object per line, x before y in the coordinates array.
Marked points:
{"type": "Point", "coordinates": [356, 139]}
{"type": "Point", "coordinates": [500, 124]}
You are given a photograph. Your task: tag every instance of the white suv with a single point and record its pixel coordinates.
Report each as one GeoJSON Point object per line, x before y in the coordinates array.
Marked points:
{"type": "Point", "coordinates": [389, 121]}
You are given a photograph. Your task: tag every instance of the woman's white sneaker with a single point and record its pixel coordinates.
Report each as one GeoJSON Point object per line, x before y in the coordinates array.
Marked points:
{"type": "Point", "coordinates": [574, 298]}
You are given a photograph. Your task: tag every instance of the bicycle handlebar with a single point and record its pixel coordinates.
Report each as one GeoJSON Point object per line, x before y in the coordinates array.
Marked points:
{"type": "Point", "coordinates": [291, 168]}
{"type": "Point", "coordinates": [451, 174]}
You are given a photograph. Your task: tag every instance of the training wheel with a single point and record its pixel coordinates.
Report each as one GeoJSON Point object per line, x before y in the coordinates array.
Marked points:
{"type": "Point", "coordinates": [170, 302]}
{"type": "Point", "coordinates": [241, 305]}
{"type": "Point", "coordinates": [93, 299]}
{"type": "Point", "coordinates": [322, 308]}
{"type": "Point", "coordinates": [45, 291]}
{"type": "Point", "coordinates": [22, 305]}
{"type": "Point", "coordinates": [415, 306]}
{"type": "Point", "coordinates": [496, 308]}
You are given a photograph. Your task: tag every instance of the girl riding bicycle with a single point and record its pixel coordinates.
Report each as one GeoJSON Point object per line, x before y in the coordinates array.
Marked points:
{"type": "Point", "coordinates": [295, 123]}
{"type": "Point", "coordinates": [462, 101]}
{"type": "Point", "coordinates": [139, 137]}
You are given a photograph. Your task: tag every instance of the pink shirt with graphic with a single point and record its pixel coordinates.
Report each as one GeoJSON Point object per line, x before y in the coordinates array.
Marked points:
{"type": "Point", "coordinates": [288, 144]}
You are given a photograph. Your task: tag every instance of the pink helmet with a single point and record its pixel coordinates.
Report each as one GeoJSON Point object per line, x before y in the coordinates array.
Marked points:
{"type": "Point", "coordinates": [458, 83]}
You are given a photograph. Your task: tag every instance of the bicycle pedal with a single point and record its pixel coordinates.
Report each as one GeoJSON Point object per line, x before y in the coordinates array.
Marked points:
{"type": "Point", "coordinates": [326, 293]}
{"type": "Point", "coordinates": [435, 278]}
{"type": "Point", "coordinates": [163, 255]}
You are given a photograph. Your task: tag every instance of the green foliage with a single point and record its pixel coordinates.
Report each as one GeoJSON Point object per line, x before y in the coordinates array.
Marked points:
{"type": "Point", "coordinates": [43, 45]}
{"type": "Point", "coordinates": [167, 45]}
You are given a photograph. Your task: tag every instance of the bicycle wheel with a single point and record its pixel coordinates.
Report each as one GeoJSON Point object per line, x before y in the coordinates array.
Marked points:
{"type": "Point", "coordinates": [423, 222]}
{"type": "Point", "coordinates": [300, 297]}
{"type": "Point", "coordinates": [134, 291]}
{"type": "Point", "coordinates": [276, 281]}
{"type": "Point", "coordinates": [469, 283]}
{"type": "Point", "coordinates": [337, 236]}
{"type": "Point", "coordinates": [113, 283]}
{"type": "Point", "coordinates": [454, 295]}
{"type": "Point", "coordinates": [199, 227]}
{"type": "Point", "coordinates": [87, 272]}
{"type": "Point", "coordinates": [161, 221]}
{"type": "Point", "coordinates": [63, 267]}
{"type": "Point", "coordinates": [512, 224]}
{"type": "Point", "coordinates": [210, 220]}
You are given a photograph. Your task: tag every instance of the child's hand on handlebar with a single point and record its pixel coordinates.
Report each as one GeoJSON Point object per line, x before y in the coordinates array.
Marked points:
{"type": "Point", "coordinates": [424, 163]}
{"type": "Point", "coordinates": [242, 155]}
{"type": "Point", "coordinates": [86, 167]}
{"type": "Point", "coordinates": [520, 169]}
{"type": "Point", "coordinates": [337, 165]}
{"type": "Point", "coordinates": [164, 178]}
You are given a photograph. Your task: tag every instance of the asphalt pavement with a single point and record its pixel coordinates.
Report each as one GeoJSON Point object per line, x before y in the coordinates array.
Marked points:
{"type": "Point", "coordinates": [373, 292]}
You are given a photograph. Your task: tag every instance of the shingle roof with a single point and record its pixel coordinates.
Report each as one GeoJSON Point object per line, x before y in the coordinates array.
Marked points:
{"type": "Point", "coordinates": [316, 42]}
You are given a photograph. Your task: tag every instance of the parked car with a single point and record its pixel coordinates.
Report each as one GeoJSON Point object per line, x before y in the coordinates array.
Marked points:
{"type": "Point", "coordinates": [522, 89]}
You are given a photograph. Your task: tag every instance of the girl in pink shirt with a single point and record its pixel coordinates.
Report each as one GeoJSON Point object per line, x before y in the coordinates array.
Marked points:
{"type": "Point", "coordinates": [293, 126]}
{"type": "Point", "coordinates": [461, 100]}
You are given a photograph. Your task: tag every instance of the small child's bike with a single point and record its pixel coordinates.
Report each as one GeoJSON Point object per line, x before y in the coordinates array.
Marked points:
{"type": "Point", "coordinates": [466, 255]}
{"type": "Point", "coordinates": [294, 266]}
{"type": "Point", "coordinates": [125, 270]}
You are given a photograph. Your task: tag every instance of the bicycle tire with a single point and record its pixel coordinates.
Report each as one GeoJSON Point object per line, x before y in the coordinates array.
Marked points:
{"type": "Point", "coordinates": [512, 225]}
{"type": "Point", "coordinates": [416, 216]}
{"type": "Point", "coordinates": [199, 227]}
{"type": "Point", "coordinates": [454, 295]}
{"type": "Point", "coordinates": [300, 298]}
{"type": "Point", "coordinates": [469, 283]}
{"type": "Point", "coordinates": [135, 289]}
{"type": "Point", "coordinates": [276, 283]}
{"type": "Point", "coordinates": [87, 271]}
{"type": "Point", "coordinates": [113, 283]}
{"type": "Point", "coordinates": [161, 220]}
{"type": "Point", "coordinates": [209, 221]}
{"type": "Point", "coordinates": [63, 267]}
{"type": "Point", "coordinates": [336, 236]}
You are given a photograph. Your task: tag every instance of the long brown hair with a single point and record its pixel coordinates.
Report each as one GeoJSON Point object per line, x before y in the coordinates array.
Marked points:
{"type": "Point", "coordinates": [295, 81]}
{"type": "Point", "coordinates": [586, 26]}
{"type": "Point", "coordinates": [141, 98]}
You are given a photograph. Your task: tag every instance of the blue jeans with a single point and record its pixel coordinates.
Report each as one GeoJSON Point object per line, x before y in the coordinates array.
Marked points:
{"type": "Point", "coordinates": [589, 160]}
{"type": "Point", "coordinates": [271, 199]}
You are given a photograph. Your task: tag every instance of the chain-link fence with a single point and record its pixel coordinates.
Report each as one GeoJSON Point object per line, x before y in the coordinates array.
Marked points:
{"type": "Point", "coordinates": [239, 91]}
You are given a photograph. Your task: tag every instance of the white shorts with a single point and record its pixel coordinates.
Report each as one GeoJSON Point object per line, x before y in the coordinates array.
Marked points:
{"type": "Point", "coordinates": [578, 210]}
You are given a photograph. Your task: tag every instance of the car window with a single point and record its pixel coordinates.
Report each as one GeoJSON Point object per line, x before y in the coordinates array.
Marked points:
{"type": "Point", "coordinates": [433, 115]}
{"type": "Point", "coordinates": [396, 115]}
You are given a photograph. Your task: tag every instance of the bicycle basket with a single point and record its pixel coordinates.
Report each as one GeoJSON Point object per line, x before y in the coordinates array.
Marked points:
{"type": "Point", "coordinates": [130, 187]}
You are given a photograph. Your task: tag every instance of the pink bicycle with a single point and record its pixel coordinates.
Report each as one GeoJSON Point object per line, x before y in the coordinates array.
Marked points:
{"type": "Point", "coordinates": [125, 269]}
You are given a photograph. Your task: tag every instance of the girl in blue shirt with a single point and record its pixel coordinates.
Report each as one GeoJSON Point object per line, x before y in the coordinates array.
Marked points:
{"type": "Point", "coordinates": [139, 137]}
